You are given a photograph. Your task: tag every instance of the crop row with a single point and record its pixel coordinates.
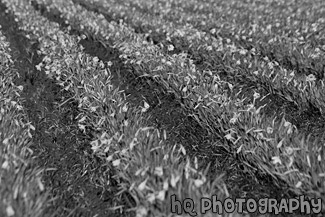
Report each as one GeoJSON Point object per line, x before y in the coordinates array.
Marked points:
{"type": "Point", "coordinates": [139, 154]}
{"type": "Point", "coordinates": [306, 90]}
{"type": "Point", "coordinates": [292, 37]}
{"type": "Point", "coordinates": [212, 122]}
{"type": "Point", "coordinates": [249, 70]}
{"type": "Point", "coordinates": [298, 20]}
{"type": "Point", "coordinates": [178, 73]}
{"type": "Point", "coordinates": [261, 146]}
{"type": "Point", "coordinates": [135, 49]}
{"type": "Point", "coordinates": [147, 53]}
{"type": "Point", "coordinates": [17, 197]}
{"type": "Point", "coordinates": [286, 36]}
{"type": "Point", "coordinates": [242, 67]}
{"type": "Point", "coordinates": [270, 146]}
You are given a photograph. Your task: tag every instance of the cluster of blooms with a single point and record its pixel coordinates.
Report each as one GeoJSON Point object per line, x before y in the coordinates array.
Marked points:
{"type": "Point", "coordinates": [176, 71]}
{"type": "Point", "coordinates": [217, 50]}
{"type": "Point", "coordinates": [10, 96]}
{"type": "Point", "coordinates": [279, 28]}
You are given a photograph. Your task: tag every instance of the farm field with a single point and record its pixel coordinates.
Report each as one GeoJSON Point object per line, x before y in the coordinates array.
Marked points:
{"type": "Point", "coordinates": [116, 108]}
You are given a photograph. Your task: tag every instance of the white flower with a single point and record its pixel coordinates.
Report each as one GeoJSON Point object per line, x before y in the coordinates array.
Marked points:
{"type": "Point", "coordinates": [125, 108]}
{"type": "Point", "coordinates": [159, 171]}
{"type": "Point", "coordinates": [256, 95]}
{"type": "Point", "coordinates": [243, 52]}
{"type": "Point", "coordinates": [174, 179]}
{"type": "Point", "coordinates": [233, 120]}
{"type": "Point", "coordinates": [276, 160]}
{"type": "Point", "coordinates": [170, 47]}
{"type": "Point", "coordinates": [146, 107]}
{"type": "Point", "coordinates": [310, 77]}
{"type": "Point", "coordinates": [38, 67]}
{"type": "Point", "coordinates": [10, 211]}
{"type": "Point", "coordinates": [109, 158]}
{"type": "Point", "coordinates": [198, 182]}
{"type": "Point", "coordinates": [95, 59]}
{"type": "Point", "coordinates": [151, 197]}
{"type": "Point", "coordinates": [289, 150]}
{"type": "Point", "coordinates": [166, 185]}
{"type": "Point", "coordinates": [229, 136]}
{"type": "Point", "coordinates": [20, 87]}
{"type": "Point", "coordinates": [161, 195]}
{"type": "Point", "coordinates": [299, 184]}
{"type": "Point", "coordinates": [142, 185]}
{"type": "Point", "coordinates": [280, 144]}
{"type": "Point", "coordinates": [183, 150]}
{"type": "Point", "coordinates": [116, 162]}
{"type": "Point", "coordinates": [287, 124]}
{"type": "Point", "coordinates": [5, 165]}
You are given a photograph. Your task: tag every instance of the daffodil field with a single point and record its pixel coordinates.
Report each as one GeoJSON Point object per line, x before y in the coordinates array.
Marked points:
{"type": "Point", "coordinates": [116, 108]}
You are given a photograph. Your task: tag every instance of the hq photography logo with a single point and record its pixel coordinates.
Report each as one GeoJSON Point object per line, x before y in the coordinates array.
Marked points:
{"type": "Point", "coordinates": [244, 205]}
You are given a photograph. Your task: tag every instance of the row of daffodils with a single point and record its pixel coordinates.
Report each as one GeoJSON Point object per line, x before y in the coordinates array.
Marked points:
{"type": "Point", "coordinates": [17, 197]}
{"type": "Point", "coordinates": [216, 56]}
